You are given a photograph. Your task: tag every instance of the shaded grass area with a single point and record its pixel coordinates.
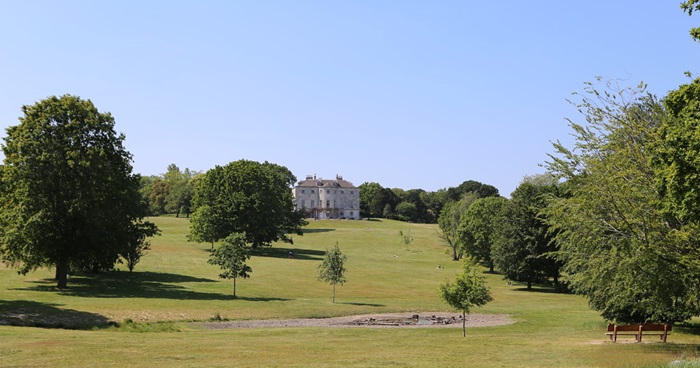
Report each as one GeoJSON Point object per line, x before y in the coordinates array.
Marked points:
{"type": "Point", "coordinates": [293, 253]}
{"type": "Point", "coordinates": [49, 315]}
{"type": "Point", "coordinates": [127, 285]}
{"type": "Point", "coordinates": [174, 285]}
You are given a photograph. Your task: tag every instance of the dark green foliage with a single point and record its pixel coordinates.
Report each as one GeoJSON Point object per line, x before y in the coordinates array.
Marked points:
{"type": "Point", "coordinates": [406, 211]}
{"type": "Point", "coordinates": [137, 245]}
{"type": "Point", "coordinates": [179, 198]}
{"type": "Point", "coordinates": [159, 192]}
{"type": "Point", "coordinates": [525, 239]}
{"type": "Point", "coordinates": [415, 205]}
{"type": "Point", "coordinates": [480, 227]}
{"type": "Point", "coordinates": [246, 197]}
{"type": "Point", "coordinates": [471, 186]}
{"type": "Point", "coordinates": [374, 199]}
{"type": "Point", "coordinates": [69, 199]}
{"type": "Point", "coordinates": [677, 159]}
{"type": "Point", "coordinates": [171, 192]}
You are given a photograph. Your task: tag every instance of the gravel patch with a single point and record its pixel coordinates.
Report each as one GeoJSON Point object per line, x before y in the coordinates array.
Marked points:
{"type": "Point", "coordinates": [386, 320]}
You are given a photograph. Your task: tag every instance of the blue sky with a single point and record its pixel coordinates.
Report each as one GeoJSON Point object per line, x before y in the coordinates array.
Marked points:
{"type": "Point", "coordinates": [409, 94]}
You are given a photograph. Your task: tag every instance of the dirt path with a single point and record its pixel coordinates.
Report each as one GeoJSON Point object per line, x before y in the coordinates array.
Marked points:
{"type": "Point", "coordinates": [387, 320]}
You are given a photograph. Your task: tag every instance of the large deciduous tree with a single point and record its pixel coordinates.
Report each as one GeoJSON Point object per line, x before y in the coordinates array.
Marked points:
{"type": "Point", "coordinates": [246, 197]}
{"type": "Point", "coordinates": [448, 222]}
{"type": "Point", "coordinates": [480, 226]}
{"type": "Point", "coordinates": [69, 198]}
{"type": "Point", "coordinates": [525, 247]}
{"type": "Point", "coordinates": [628, 234]}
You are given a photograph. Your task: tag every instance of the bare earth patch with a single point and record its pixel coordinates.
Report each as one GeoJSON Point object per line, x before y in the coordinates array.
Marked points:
{"type": "Point", "coordinates": [386, 320]}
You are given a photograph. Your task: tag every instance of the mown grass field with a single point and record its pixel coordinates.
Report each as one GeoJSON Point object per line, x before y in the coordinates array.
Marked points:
{"type": "Point", "coordinates": [174, 283]}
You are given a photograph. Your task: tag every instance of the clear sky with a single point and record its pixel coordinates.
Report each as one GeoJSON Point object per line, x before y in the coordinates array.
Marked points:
{"type": "Point", "coordinates": [409, 94]}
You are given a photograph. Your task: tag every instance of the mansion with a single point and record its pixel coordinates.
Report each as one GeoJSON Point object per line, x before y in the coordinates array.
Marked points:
{"type": "Point", "coordinates": [327, 199]}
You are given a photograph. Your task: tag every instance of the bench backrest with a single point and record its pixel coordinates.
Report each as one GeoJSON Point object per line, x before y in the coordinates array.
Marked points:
{"type": "Point", "coordinates": [645, 327]}
{"type": "Point", "coordinates": [656, 327]}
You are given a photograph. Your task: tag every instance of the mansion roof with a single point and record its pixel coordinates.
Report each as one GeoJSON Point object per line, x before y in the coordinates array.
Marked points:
{"type": "Point", "coordinates": [312, 181]}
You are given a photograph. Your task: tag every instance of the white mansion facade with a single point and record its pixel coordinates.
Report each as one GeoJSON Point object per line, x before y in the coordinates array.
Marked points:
{"type": "Point", "coordinates": [327, 199]}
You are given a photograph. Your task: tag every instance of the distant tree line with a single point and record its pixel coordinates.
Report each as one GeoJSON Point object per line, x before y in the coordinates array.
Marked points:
{"type": "Point", "coordinates": [171, 192]}
{"type": "Point", "coordinates": [415, 205]}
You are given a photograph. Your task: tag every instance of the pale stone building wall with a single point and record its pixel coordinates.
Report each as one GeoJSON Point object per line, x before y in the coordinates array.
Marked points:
{"type": "Point", "coordinates": [324, 199]}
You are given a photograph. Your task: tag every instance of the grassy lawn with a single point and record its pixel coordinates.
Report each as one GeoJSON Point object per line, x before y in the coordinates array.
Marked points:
{"type": "Point", "coordinates": [174, 283]}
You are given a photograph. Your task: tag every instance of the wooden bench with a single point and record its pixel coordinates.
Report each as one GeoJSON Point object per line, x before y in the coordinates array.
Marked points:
{"type": "Point", "coordinates": [638, 330]}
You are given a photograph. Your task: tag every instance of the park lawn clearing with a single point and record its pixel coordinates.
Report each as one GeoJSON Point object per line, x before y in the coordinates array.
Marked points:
{"type": "Point", "coordinates": [174, 283]}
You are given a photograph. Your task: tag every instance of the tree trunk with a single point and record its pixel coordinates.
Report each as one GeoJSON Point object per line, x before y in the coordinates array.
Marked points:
{"type": "Point", "coordinates": [490, 267]}
{"type": "Point", "coordinates": [464, 324]}
{"type": "Point", "coordinates": [333, 293]}
{"type": "Point", "coordinates": [62, 273]}
{"type": "Point", "coordinates": [529, 284]}
{"type": "Point", "coordinates": [234, 287]}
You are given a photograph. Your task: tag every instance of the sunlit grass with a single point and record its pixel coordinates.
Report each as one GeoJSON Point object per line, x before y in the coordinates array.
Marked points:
{"type": "Point", "coordinates": [174, 285]}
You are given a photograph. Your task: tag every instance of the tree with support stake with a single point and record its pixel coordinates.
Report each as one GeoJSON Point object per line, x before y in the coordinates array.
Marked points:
{"type": "Point", "coordinates": [332, 269]}
{"type": "Point", "coordinates": [468, 289]}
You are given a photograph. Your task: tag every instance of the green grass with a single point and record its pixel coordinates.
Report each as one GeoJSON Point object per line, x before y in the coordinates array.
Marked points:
{"type": "Point", "coordinates": [173, 284]}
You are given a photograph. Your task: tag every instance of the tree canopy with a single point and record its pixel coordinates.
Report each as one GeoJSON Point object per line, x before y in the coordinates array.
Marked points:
{"type": "Point", "coordinates": [448, 222]}
{"type": "Point", "coordinates": [626, 232]}
{"type": "Point", "coordinates": [523, 252]}
{"type": "Point", "coordinates": [170, 192]}
{"type": "Point", "coordinates": [479, 228]}
{"type": "Point", "coordinates": [69, 198]}
{"type": "Point", "coordinates": [246, 197]}
{"type": "Point", "coordinates": [415, 205]}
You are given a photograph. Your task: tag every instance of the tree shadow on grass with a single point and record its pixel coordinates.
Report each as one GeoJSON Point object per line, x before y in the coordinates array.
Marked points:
{"type": "Point", "coordinates": [158, 285]}
{"type": "Point", "coordinates": [275, 252]}
{"type": "Point", "coordinates": [541, 289]}
{"type": "Point", "coordinates": [308, 231]}
{"type": "Point", "coordinates": [28, 313]}
{"type": "Point", "coordinates": [260, 299]}
{"type": "Point", "coordinates": [690, 328]}
{"type": "Point", "coordinates": [363, 304]}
